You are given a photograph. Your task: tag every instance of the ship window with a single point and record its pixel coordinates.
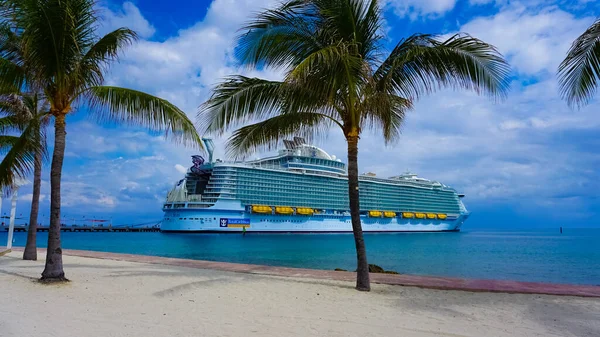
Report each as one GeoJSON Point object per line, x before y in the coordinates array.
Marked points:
{"type": "Point", "coordinates": [180, 218]}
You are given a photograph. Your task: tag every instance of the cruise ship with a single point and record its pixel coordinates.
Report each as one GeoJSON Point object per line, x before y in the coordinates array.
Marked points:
{"type": "Point", "coordinates": [303, 189]}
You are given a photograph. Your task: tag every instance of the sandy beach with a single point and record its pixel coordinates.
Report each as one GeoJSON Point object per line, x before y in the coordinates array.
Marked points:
{"type": "Point", "coordinates": [117, 298]}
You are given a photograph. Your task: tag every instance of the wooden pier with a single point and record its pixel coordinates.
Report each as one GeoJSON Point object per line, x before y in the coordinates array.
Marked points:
{"type": "Point", "coordinates": [91, 229]}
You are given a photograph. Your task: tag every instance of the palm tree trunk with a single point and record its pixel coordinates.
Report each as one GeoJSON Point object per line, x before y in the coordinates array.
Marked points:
{"type": "Point", "coordinates": [362, 269]}
{"type": "Point", "coordinates": [30, 252]}
{"type": "Point", "coordinates": [54, 266]}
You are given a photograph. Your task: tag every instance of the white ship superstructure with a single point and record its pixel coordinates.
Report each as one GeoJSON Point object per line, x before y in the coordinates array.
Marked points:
{"type": "Point", "coordinates": [304, 189]}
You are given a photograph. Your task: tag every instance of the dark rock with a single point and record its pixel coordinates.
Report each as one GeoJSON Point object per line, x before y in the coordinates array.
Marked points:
{"type": "Point", "coordinates": [373, 268]}
{"type": "Point", "coordinates": [340, 269]}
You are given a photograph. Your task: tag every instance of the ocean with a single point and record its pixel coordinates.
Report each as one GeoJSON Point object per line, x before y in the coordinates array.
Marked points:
{"type": "Point", "coordinates": [536, 255]}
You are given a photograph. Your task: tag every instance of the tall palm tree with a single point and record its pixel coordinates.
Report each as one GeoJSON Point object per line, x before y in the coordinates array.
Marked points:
{"type": "Point", "coordinates": [28, 115]}
{"type": "Point", "coordinates": [579, 72]}
{"type": "Point", "coordinates": [22, 111]}
{"type": "Point", "coordinates": [67, 61]}
{"type": "Point", "coordinates": [336, 74]}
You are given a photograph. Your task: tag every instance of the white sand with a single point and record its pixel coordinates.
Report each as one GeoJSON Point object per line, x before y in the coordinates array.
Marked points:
{"type": "Point", "coordinates": [112, 298]}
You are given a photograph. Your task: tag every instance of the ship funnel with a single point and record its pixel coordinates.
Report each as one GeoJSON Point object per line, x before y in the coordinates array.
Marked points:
{"type": "Point", "coordinates": [210, 148]}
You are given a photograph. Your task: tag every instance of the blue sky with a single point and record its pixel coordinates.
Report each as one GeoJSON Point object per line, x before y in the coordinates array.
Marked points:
{"type": "Point", "coordinates": [527, 161]}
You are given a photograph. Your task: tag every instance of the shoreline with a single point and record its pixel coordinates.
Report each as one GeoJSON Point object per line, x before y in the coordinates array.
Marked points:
{"type": "Point", "coordinates": [426, 282]}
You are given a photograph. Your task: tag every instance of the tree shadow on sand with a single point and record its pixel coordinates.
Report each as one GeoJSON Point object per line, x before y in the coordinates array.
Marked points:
{"type": "Point", "coordinates": [209, 279]}
{"type": "Point", "coordinates": [5, 272]}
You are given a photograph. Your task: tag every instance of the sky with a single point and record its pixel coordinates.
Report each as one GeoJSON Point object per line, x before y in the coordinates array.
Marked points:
{"type": "Point", "coordinates": [524, 162]}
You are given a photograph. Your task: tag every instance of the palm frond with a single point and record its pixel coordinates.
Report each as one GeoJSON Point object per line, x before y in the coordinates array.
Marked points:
{"type": "Point", "coordinates": [385, 112]}
{"type": "Point", "coordinates": [18, 161]}
{"type": "Point", "coordinates": [6, 143]}
{"type": "Point", "coordinates": [10, 124]}
{"type": "Point", "coordinates": [354, 22]}
{"type": "Point", "coordinates": [285, 36]}
{"type": "Point", "coordinates": [20, 110]}
{"type": "Point", "coordinates": [17, 105]}
{"type": "Point", "coordinates": [101, 53]}
{"type": "Point", "coordinates": [10, 45]}
{"type": "Point", "coordinates": [137, 108]}
{"type": "Point", "coordinates": [54, 35]}
{"type": "Point", "coordinates": [240, 99]}
{"type": "Point", "coordinates": [17, 114]}
{"type": "Point", "coordinates": [268, 133]}
{"type": "Point", "coordinates": [421, 64]}
{"type": "Point", "coordinates": [325, 70]}
{"type": "Point", "coordinates": [281, 37]}
{"type": "Point", "coordinates": [368, 29]}
{"type": "Point", "coordinates": [579, 72]}
{"type": "Point", "coordinates": [12, 77]}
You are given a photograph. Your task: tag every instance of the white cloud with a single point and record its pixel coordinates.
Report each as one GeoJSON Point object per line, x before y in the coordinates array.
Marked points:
{"type": "Point", "coordinates": [419, 8]}
{"type": "Point", "coordinates": [533, 40]}
{"type": "Point", "coordinates": [86, 142]}
{"type": "Point", "coordinates": [27, 197]}
{"type": "Point", "coordinates": [135, 184]}
{"type": "Point", "coordinates": [525, 148]}
{"type": "Point", "coordinates": [520, 149]}
{"type": "Point", "coordinates": [127, 170]}
{"type": "Point", "coordinates": [127, 16]}
{"type": "Point", "coordinates": [184, 67]}
{"type": "Point", "coordinates": [512, 125]}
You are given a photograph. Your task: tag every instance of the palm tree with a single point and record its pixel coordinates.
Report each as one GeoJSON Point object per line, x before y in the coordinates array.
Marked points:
{"type": "Point", "coordinates": [64, 58]}
{"type": "Point", "coordinates": [336, 74]}
{"type": "Point", "coordinates": [23, 112]}
{"type": "Point", "coordinates": [579, 72]}
{"type": "Point", "coordinates": [26, 114]}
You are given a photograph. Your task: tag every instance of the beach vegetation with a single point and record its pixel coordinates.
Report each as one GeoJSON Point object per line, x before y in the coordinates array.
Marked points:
{"type": "Point", "coordinates": [23, 144]}
{"type": "Point", "coordinates": [338, 73]}
{"type": "Point", "coordinates": [64, 57]}
{"type": "Point", "coordinates": [579, 72]}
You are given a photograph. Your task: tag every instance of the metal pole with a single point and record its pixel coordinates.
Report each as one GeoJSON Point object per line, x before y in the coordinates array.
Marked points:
{"type": "Point", "coordinates": [13, 212]}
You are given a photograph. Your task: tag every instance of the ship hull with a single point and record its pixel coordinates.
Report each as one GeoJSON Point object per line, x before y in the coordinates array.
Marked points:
{"type": "Point", "coordinates": [221, 221]}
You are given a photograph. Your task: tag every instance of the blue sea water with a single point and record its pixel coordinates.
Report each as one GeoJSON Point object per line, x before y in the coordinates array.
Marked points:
{"type": "Point", "coordinates": [540, 256]}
